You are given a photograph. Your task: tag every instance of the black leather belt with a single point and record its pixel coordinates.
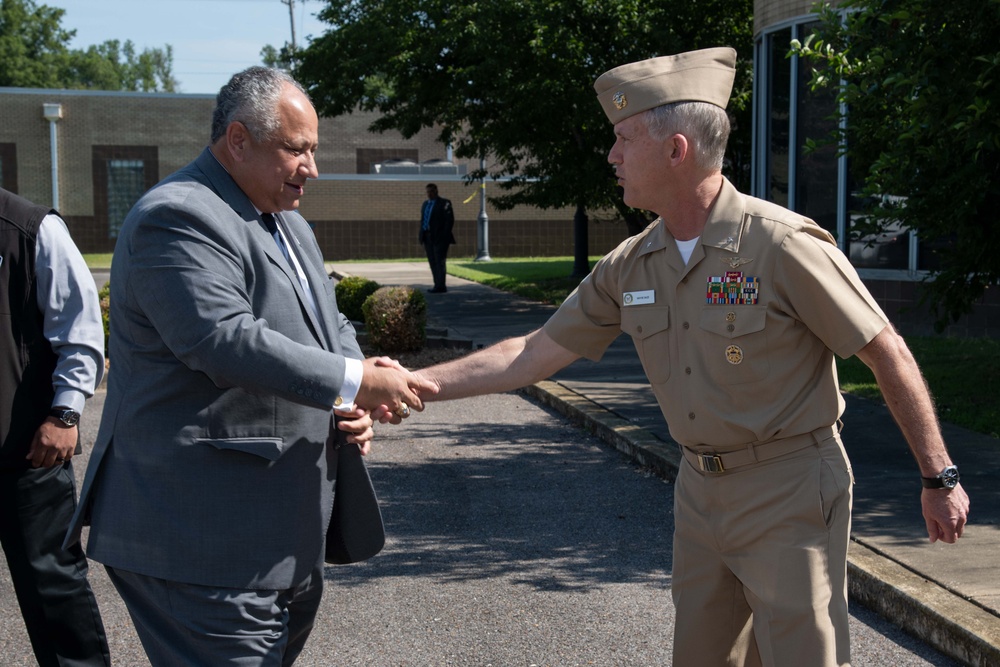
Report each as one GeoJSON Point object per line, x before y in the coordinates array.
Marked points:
{"type": "Point", "coordinates": [717, 462]}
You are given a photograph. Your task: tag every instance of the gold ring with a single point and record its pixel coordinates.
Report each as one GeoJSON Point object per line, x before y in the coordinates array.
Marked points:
{"type": "Point", "coordinates": [403, 410]}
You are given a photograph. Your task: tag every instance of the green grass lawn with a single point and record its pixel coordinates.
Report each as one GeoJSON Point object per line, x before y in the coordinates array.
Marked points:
{"type": "Point", "coordinates": [98, 260]}
{"type": "Point", "coordinates": [545, 279]}
{"type": "Point", "coordinates": [962, 373]}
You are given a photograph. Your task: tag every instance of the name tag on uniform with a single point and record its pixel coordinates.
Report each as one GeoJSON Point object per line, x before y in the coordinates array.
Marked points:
{"type": "Point", "coordinates": [639, 298]}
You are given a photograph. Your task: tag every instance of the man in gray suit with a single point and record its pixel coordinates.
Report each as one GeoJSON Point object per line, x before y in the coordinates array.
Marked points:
{"type": "Point", "coordinates": [211, 485]}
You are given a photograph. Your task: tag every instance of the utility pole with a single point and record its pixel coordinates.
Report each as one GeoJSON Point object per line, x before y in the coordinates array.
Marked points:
{"type": "Point", "coordinates": [483, 221]}
{"type": "Point", "coordinates": [291, 17]}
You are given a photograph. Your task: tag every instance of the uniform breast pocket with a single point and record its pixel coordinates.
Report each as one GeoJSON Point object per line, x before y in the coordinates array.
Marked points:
{"type": "Point", "coordinates": [649, 327]}
{"type": "Point", "coordinates": [734, 344]}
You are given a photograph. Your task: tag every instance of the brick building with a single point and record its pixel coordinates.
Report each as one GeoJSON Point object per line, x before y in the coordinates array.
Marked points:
{"type": "Point", "coordinates": [112, 146]}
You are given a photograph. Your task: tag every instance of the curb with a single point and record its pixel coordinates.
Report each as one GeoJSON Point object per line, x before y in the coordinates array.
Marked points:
{"type": "Point", "coordinates": [953, 625]}
{"type": "Point", "coordinates": [946, 621]}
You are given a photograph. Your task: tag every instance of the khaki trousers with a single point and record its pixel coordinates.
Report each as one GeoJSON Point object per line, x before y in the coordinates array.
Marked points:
{"type": "Point", "coordinates": [760, 562]}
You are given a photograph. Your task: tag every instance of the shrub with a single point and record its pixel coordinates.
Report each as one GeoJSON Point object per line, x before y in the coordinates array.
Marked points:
{"type": "Point", "coordinates": [351, 293]}
{"type": "Point", "coordinates": [396, 319]}
{"type": "Point", "coordinates": [104, 295]}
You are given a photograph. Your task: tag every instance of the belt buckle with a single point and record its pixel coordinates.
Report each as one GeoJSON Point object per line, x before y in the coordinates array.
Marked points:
{"type": "Point", "coordinates": [710, 463]}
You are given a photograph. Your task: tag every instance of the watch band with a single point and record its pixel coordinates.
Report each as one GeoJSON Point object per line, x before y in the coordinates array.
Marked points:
{"type": "Point", "coordinates": [946, 479]}
{"type": "Point", "coordinates": [67, 416]}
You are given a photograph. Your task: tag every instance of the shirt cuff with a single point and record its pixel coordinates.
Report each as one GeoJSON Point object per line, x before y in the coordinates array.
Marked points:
{"type": "Point", "coordinates": [353, 372]}
{"type": "Point", "coordinates": [70, 398]}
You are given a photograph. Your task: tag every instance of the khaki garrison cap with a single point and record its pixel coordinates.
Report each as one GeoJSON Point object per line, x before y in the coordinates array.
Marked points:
{"type": "Point", "coordinates": [696, 76]}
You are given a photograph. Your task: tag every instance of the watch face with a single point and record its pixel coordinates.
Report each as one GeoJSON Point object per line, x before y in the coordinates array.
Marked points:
{"type": "Point", "coordinates": [68, 417]}
{"type": "Point", "coordinates": [949, 477]}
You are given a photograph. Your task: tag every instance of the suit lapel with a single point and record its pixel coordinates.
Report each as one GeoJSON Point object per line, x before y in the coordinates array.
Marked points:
{"type": "Point", "coordinates": [317, 319]}
{"type": "Point", "coordinates": [324, 318]}
{"type": "Point", "coordinates": [226, 188]}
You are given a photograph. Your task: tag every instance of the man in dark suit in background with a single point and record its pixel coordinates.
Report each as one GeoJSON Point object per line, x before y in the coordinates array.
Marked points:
{"type": "Point", "coordinates": [436, 222]}
{"type": "Point", "coordinates": [211, 485]}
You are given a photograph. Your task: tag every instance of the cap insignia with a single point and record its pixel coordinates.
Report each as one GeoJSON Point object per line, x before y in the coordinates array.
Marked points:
{"type": "Point", "coordinates": [619, 100]}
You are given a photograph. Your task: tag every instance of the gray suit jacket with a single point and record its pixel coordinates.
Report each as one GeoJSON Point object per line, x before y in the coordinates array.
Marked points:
{"type": "Point", "coordinates": [211, 465]}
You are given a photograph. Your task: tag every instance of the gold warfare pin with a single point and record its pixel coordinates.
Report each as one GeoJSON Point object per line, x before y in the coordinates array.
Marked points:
{"type": "Point", "coordinates": [734, 354]}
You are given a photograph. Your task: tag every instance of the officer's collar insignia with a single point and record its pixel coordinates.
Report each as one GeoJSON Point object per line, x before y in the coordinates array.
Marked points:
{"type": "Point", "coordinates": [736, 262]}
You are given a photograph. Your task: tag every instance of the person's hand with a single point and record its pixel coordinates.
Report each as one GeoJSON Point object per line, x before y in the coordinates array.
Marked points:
{"type": "Point", "coordinates": [386, 384]}
{"type": "Point", "coordinates": [945, 512]}
{"type": "Point", "coordinates": [388, 362]}
{"type": "Point", "coordinates": [357, 423]}
{"type": "Point", "coordinates": [53, 444]}
{"type": "Point", "coordinates": [383, 414]}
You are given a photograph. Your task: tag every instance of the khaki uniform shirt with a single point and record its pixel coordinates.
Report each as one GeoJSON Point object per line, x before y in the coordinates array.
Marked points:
{"type": "Point", "coordinates": [738, 344]}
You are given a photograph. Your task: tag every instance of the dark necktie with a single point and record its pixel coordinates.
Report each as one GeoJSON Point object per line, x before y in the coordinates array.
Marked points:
{"type": "Point", "coordinates": [272, 226]}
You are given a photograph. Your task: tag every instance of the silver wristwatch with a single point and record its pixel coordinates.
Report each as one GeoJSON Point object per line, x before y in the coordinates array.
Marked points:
{"type": "Point", "coordinates": [946, 479]}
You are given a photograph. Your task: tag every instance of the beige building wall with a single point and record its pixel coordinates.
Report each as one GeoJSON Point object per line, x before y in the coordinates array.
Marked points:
{"type": "Point", "coordinates": [767, 13]}
{"type": "Point", "coordinates": [353, 217]}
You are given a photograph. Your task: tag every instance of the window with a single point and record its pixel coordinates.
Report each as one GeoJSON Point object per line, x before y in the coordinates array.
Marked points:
{"type": "Point", "coordinates": [778, 125]}
{"type": "Point", "coordinates": [788, 115]}
{"type": "Point", "coordinates": [121, 175]}
{"type": "Point", "coordinates": [889, 249]}
{"type": "Point", "coordinates": [8, 167]}
{"type": "Point", "coordinates": [816, 179]}
{"type": "Point", "coordinates": [125, 186]}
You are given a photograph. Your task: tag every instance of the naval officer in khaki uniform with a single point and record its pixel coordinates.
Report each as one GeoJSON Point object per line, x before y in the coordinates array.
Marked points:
{"type": "Point", "coordinates": [736, 307]}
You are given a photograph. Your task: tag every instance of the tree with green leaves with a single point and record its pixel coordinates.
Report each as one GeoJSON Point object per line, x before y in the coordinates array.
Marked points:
{"type": "Point", "coordinates": [513, 82]}
{"type": "Point", "coordinates": [116, 66]}
{"type": "Point", "coordinates": [282, 58]}
{"type": "Point", "coordinates": [35, 53]}
{"type": "Point", "coordinates": [919, 83]}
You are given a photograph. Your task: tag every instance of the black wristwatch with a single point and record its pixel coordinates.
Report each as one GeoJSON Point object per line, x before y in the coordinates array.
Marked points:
{"type": "Point", "coordinates": [946, 479]}
{"type": "Point", "coordinates": [67, 416]}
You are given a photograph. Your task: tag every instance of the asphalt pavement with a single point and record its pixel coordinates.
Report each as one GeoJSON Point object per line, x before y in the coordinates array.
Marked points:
{"type": "Point", "coordinates": [513, 539]}
{"type": "Point", "coordinates": [516, 539]}
{"type": "Point", "coordinates": [948, 595]}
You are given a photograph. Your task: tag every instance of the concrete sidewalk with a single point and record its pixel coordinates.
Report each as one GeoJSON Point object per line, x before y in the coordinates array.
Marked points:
{"type": "Point", "coordinates": [948, 595]}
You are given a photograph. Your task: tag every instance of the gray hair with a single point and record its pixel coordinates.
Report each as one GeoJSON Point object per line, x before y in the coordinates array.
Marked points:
{"type": "Point", "coordinates": [251, 97]}
{"type": "Point", "coordinates": [706, 127]}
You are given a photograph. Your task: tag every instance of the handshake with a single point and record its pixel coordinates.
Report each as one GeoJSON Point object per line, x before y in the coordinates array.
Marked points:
{"type": "Point", "coordinates": [390, 391]}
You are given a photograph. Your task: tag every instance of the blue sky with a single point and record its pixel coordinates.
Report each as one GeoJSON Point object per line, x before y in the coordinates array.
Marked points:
{"type": "Point", "coordinates": [212, 39]}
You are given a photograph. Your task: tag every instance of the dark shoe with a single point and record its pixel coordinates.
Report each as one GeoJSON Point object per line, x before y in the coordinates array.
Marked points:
{"type": "Point", "coordinates": [438, 290]}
